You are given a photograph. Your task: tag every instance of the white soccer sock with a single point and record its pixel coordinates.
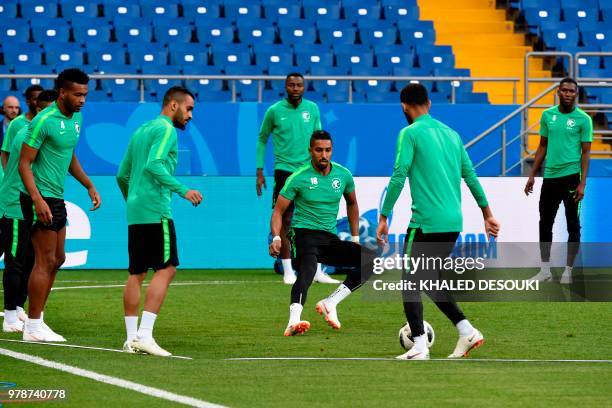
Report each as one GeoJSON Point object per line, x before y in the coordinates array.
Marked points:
{"type": "Point", "coordinates": [295, 313]}
{"type": "Point", "coordinates": [20, 310]}
{"type": "Point", "coordinates": [420, 342]}
{"type": "Point", "coordinates": [287, 268]}
{"type": "Point", "coordinates": [568, 269]}
{"type": "Point", "coordinates": [338, 295]}
{"type": "Point", "coordinates": [145, 331]}
{"type": "Point", "coordinates": [34, 325]}
{"type": "Point", "coordinates": [545, 266]}
{"type": "Point", "coordinates": [131, 327]}
{"type": "Point", "coordinates": [10, 316]}
{"type": "Point", "coordinates": [465, 328]}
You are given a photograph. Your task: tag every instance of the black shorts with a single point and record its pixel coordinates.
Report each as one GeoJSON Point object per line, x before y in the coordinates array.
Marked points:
{"type": "Point", "coordinates": [57, 207]}
{"type": "Point", "coordinates": [152, 246]}
{"type": "Point", "coordinates": [325, 246]}
{"type": "Point", "coordinates": [280, 178]}
{"type": "Point", "coordinates": [16, 245]}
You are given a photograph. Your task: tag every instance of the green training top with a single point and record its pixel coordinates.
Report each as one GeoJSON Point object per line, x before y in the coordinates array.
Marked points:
{"type": "Point", "coordinates": [434, 159]}
{"type": "Point", "coordinates": [317, 197]}
{"type": "Point", "coordinates": [11, 184]}
{"type": "Point", "coordinates": [291, 129]}
{"type": "Point", "coordinates": [146, 174]}
{"type": "Point", "coordinates": [15, 126]}
{"type": "Point", "coordinates": [565, 133]}
{"type": "Point", "coordinates": [54, 136]}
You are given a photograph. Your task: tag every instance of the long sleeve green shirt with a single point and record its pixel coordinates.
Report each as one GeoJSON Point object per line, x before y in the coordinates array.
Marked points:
{"type": "Point", "coordinates": [434, 159]}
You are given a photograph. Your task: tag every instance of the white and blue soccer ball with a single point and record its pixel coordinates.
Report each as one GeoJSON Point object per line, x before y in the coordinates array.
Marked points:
{"type": "Point", "coordinates": [364, 227]}
{"type": "Point", "coordinates": [344, 236]}
{"type": "Point", "coordinates": [406, 340]}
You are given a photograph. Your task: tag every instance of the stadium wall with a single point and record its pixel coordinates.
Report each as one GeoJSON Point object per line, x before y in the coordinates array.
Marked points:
{"type": "Point", "coordinates": [230, 229]}
{"type": "Point", "coordinates": [220, 141]}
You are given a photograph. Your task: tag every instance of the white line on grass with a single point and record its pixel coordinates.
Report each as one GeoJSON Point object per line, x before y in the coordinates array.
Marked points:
{"type": "Point", "coordinates": [107, 379]}
{"type": "Point", "coordinates": [172, 284]}
{"type": "Point", "coordinates": [42, 343]}
{"type": "Point", "coordinates": [485, 360]}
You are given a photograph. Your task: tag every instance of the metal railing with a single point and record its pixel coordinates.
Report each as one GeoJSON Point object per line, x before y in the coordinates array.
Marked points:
{"type": "Point", "coordinates": [453, 80]}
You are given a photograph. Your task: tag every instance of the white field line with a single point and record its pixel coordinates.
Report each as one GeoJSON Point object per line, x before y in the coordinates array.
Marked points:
{"type": "Point", "coordinates": [480, 360]}
{"type": "Point", "coordinates": [107, 379]}
{"type": "Point", "coordinates": [42, 343]}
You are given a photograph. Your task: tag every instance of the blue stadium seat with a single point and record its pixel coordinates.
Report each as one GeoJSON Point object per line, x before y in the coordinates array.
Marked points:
{"type": "Point", "coordinates": [14, 32]}
{"type": "Point", "coordinates": [590, 25]}
{"type": "Point", "coordinates": [125, 95]}
{"type": "Point", "coordinates": [91, 30]}
{"type": "Point", "coordinates": [395, 13]}
{"type": "Point", "coordinates": [536, 16]}
{"type": "Point", "coordinates": [565, 4]}
{"type": "Point", "coordinates": [245, 10]}
{"type": "Point", "coordinates": [545, 4]}
{"type": "Point", "coordinates": [588, 62]}
{"type": "Point", "coordinates": [198, 85]}
{"type": "Point", "coordinates": [398, 58]}
{"type": "Point", "coordinates": [352, 59]}
{"type": "Point", "coordinates": [419, 35]}
{"type": "Point", "coordinates": [298, 35]}
{"type": "Point", "coordinates": [334, 36]}
{"type": "Point", "coordinates": [98, 95]}
{"type": "Point", "coordinates": [164, 9]}
{"type": "Point", "coordinates": [606, 12]}
{"type": "Point", "coordinates": [378, 37]}
{"type": "Point", "coordinates": [247, 90]}
{"type": "Point", "coordinates": [50, 30]}
{"type": "Point", "coordinates": [76, 9]}
{"type": "Point", "coordinates": [104, 56]}
{"type": "Point", "coordinates": [256, 33]}
{"type": "Point", "coordinates": [189, 55]}
{"type": "Point", "coordinates": [319, 70]}
{"type": "Point", "coordinates": [22, 84]}
{"type": "Point", "coordinates": [199, 11]}
{"type": "Point", "coordinates": [359, 12]}
{"type": "Point", "coordinates": [320, 11]}
{"type": "Point", "coordinates": [371, 86]}
{"type": "Point", "coordinates": [22, 55]}
{"type": "Point", "coordinates": [267, 56]}
{"type": "Point", "coordinates": [215, 34]}
{"type": "Point", "coordinates": [143, 58]}
{"type": "Point", "coordinates": [282, 11]}
{"type": "Point", "coordinates": [160, 85]}
{"type": "Point", "coordinates": [33, 9]}
{"type": "Point", "coordinates": [600, 39]}
{"type": "Point", "coordinates": [235, 55]}
{"type": "Point", "coordinates": [561, 38]}
{"type": "Point", "coordinates": [66, 54]}
{"type": "Point", "coordinates": [272, 95]}
{"type": "Point", "coordinates": [334, 90]}
{"type": "Point", "coordinates": [581, 14]}
{"type": "Point", "coordinates": [8, 9]}
{"type": "Point", "coordinates": [134, 34]}
{"type": "Point", "coordinates": [112, 11]}
{"type": "Point", "coordinates": [433, 60]}
{"type": "Point", "coordinates": [314, 55]}
{"type": "Point", "coordinates": [366, 71]}
{"type": "Point", "coordinates": [173, 32]}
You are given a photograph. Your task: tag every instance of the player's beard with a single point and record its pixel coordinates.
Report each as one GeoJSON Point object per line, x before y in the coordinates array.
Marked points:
{"type": "Point", "coordinates": [408, 118]}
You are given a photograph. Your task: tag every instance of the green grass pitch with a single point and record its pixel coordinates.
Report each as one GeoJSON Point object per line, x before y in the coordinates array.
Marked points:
{"type": "Point", "coordinates": [231, 314]}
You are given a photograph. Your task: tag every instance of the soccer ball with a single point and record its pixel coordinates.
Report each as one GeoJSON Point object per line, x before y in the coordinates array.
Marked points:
{"type": "Point", "coordinates": [364, 227]}
{"type": "Point", "coordinates": [405, 336]}
{"type": "Point", "coordinates": [344, 236]}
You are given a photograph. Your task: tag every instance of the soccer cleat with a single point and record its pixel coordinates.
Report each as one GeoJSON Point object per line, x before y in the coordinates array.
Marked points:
{"type": "Point", "coordinates": [14, 327]}
{"type": "Point", "coordinates": [322, 277]}
{"type": "Point", "coordinates": [148, 346]}
{"type": "Point", "coordinates": [289, 279]}
{"type": "Point", "coordinates": [543, 276]}
{"type": "Point", "coordinates": [330, 313]}
{"type": "Point", "coordinates": [21, 315]}
{"type": "Point", "coordinates": [127, 347]}
{"type": "Point", "coordinates": [465, 344]}
{"type": "Point", "coordinates": [566, 277]}
{"type": "Point", "coordinates": [300, 327]}
{"type": "Point", "coordinates": [414, 354]}
{"type": "Point", "coordinates": [51, 335]}
{"type": "Point", "coordinates": [40, 335]}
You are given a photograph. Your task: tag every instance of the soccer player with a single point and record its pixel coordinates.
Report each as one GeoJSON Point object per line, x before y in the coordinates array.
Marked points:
{"type": "Point", "coordinates": [146, 180]}
{"type": "Point", "coordinates": [566, 133]}
{"type": "Point", "coordinates": [47, 155]}
{"type": "Point", "coordinates": [316, 189]}
{"type": "Point", "coordinates": [434, 159]}
{"type": "Point", "coordinates": [20, 121]}
{"type": "Point", "coordinates": [291, 122]}
{"type": "Point", "coordinates": [14, 233]}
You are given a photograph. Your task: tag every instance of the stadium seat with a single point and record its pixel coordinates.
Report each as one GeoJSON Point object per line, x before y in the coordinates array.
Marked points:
{"type": "Point", "coordinates": [98, 95]}
{"type": "Point", "coordinates": [112, 11]}
{"type": "Point", "coordinates": [545, 4]}
{"type": "Point", "coordinates": [164, 9]}
{"type": "Point", "coordinates": [91, 30]}
{"type": "Point", "coordinates": [13, 32]}
{"type": "Point", "coordinates": [436, 59]}
{"type": "Point", "coordinates": [339, 35]}
{"type": "Point", "coordinates": [372, 86]}
{"type": "Point", "coordinates": [266, 56]}
{"type": "Point", "coordinates": [561, 38]}
{"type": "Point", "coordinates": [606, 12]}
{"type": "Point", "coordinates": [159, 86]}
{"type": "Point", "coordinates": [322, 12]}
{"type": "Point", "coordinates": [390, 59]}
{"type": "Point", "coordinates": [125, 95]}
{"type": "Point", "coordinates": [66, 54]}
{"type": "Point", "coordinates": [419, 35]}
{"type": "Point", "coordinates": [200, 11]}
{"type": "Point", "coordinates": [104, 56]}
{"type": "Point", "coordinates": [581, 14]}
{"type": "Point", "coordinates": [76, 9]}
{"type": "Point", "coordinates": [34, 9]}
{"type": "Point", "coordinates": [536, 16]}
{"type": "Point", "coordinates": [215, 34]}
{"type": "Point", "coordinates": [247, 90]}
{"type": "Point", "coordinates": [235, 55]}
{"type": "Point", "coordinates": [360, 12]}
{"type": "Point", "coordinates": [351, 59]}
{"type": "Point", "coordinates": [301, 35]}
{"type": "Point", "coordinates": [246, 10]}
{"type": "Point", "coordinates": [589, 62]}
{"type": "Point", "coordinates": [143, 58]}
{"type": "Point", "coordinates": [395, 13]}
{"type": "Point", "coordinates": [600, 39]}
{"type": "Point", "coordinates": [334, 90]}
{"type": "Point", "coordinates": [50, 30]}
{"type": "Point", "coordinates": [173, 32]}
{"type": "Point", "coordinates": [8, 9]}
{"type": "Point", "coordinates": [189, 55]}
{"type": "Point", "coordinates": [22, 84]}
{"type": "Point", "coordinates": [590, 4]}
{"type": "Point", "coordinates": [272, 95]}
{"type": "Point", "coordinates": [22, 55]}
{"type": "Point", "coordinates": [311, 56]}
{"type": "Point", "coordinates": [136, 33]}
{"type": "Point", "coordinates": [282, 11]}
{"type": "Point", "coordinates": [199, 85]}
{"type": "Point", "coordinates": [378, 37]}
{"type": "Point", "coordinates": [256, 34]}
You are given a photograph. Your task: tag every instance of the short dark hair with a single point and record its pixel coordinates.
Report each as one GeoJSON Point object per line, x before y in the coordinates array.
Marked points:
{"type": "Point", "coordinates": [568, 80]}
{"type": "Point", "coordinates": [414, 94]}
{"type": "Point", "coordinates": [294, 74]}
{"type": "Point", "coordinates": [320, 135]}
{"type": "Point", "coordinates": [31, 89]}
{"type": "Point", "coordinates": [74, 75]}
{"type": "Point", "coordinates": [174, 92]}
{"type": "Point", "coordinates": [47, 95]}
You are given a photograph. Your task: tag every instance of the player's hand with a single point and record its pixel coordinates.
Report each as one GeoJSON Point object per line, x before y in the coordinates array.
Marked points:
{"type": "Point", "coordinates": [96, 201]}
{"type": "Point", "coordinates": [579, 194]}
{"type": "Point", "coordinates": [275, 248]}
{"type": "Point", "coordinates": [261, 181]}
{"type": "Point", "coordinates": [492, 227]}
{"type": "Point", "coordinates": [194, 197]}
{"type": "Point", "coordinates": [529, 185]}
{"type": "Point", "coordinates": [382, 232]}
{"type": "Point", "coordinates": [43, 212]}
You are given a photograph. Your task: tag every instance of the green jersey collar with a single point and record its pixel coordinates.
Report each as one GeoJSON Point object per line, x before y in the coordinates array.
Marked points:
{"type": "Point", "coordinates": [426, 116]}
{"type": "Point", "coordinates": [167, 119]}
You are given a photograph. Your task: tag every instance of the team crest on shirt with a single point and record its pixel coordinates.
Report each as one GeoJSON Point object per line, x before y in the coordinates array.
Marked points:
{"type": "Point", "coordinates": [336, 184]}
{"type": "Point", "coordinates": [306, 116]}
{"type": "Point", "coordinates": [570, 123]}
{"type": "Point", "coordinates": [77, 128]}
{"type": "Point", "coordinates": [62, 125]}
{"type": "Point", "coordinates": [554, 118]}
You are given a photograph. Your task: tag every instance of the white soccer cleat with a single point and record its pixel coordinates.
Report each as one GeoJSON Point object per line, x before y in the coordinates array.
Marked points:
{"type": "Point", "coordinates": [330, 313]}
{"type": "Point", "coordinates": [289, 279]}
{"type": "Point", "coordinates": [127, 347]}
{"type": "Point", "coordinates": [322, 277]}
{"type": "Point", "coordinates": [53, 336]}
{"type": "Point", "coordinates": [566, 277]}
{"type": "Point", "coordinates": [414, 354]}
{"type": "Point", "coordinates": [15, 327]}
{"type": "Point", "coordinates": [39, 335]}
{"type": "Point", "coordinates": [148, 346]}
{"type": "Point", "coordinates": [300, 327]}
{"type": "Point", "coordinates": [465, 344]}
{"type": "Point", "coordinates": [543, 276]}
